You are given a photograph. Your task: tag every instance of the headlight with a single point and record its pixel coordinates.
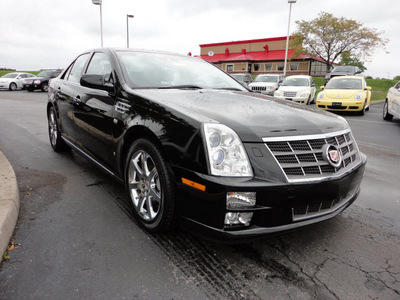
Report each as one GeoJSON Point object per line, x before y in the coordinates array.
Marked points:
{"type": "Point", "coordinates": [278, 93]}
{"type": "Point", "coordinates": [36, 81]}
{"type": "Point", "coordinates": [321, 96]}
{"type": "Point", "coordinates": [269, 88]}
{"type": "Point", "coordinates": [226, 153]}
{"type": "Point", "coordinates": [305, 94]}
{"type": "Point", "coordinates": [358, 97]}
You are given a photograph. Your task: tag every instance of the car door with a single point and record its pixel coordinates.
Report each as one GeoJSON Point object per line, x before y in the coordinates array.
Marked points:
{"type": "Point", "coordinates": [65, 98]}
{"type": "Point", "coordinates": [396, 99]}
{"type": "Point", "coordinates": [94, 115]}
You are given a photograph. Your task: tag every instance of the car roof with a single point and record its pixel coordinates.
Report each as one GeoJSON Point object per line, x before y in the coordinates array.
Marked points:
{"type": "Point", "coordinates": [299, 76]}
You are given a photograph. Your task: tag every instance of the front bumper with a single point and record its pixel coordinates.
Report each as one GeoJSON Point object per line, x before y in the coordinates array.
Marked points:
{"type": "Point", "coordinates": [279, 206]}
{"type": "Point", "coordinates": [294, 99]}
{"type": "Point", "coordinates": [337, 105]}
{"type": "Point", "coordinates": [31, 86]}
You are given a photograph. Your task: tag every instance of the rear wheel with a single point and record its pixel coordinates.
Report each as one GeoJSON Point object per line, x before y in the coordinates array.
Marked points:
{"type": "Point", "coordinates": [57, 143]}
{"type": "Point", "coordinates": [13, 86]}
{"type": "Point", "coordinates": [149, 186]}
{"type": "Point", "coordinates": [386, 115]}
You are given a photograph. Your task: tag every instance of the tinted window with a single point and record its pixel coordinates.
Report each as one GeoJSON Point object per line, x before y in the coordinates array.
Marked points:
{"type": "Point", "coordinates": [77, 68]}
{"type": "Point", "coordinates": [100, 64]}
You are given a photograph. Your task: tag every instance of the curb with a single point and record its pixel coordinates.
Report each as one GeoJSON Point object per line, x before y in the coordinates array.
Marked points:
{"type": "Point", "coordinates": [9, 202]}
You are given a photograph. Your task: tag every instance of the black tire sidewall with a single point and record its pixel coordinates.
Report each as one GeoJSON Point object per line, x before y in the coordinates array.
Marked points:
{"type": "Point", "coordinates": [163, 221]}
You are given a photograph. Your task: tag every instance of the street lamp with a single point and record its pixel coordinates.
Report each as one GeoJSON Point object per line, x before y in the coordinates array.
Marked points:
{"type": "Point", "coordinates": [287, 36]}
{"type": "Point", "coordinates": [98, 2]}
{"type": "Point", "coordinates": [127, 29]}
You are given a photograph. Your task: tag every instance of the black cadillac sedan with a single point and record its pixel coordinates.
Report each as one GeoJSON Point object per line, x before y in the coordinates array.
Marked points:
{"type": "Point", "coordinates": [194, 147]}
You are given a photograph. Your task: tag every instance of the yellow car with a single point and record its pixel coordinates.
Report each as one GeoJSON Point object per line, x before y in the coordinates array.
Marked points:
{"type": "Point", "coordinates": [345, 93]}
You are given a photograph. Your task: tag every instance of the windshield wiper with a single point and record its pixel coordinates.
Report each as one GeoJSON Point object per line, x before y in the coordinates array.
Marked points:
{"type": "Point", "coordinates": [185, 86]}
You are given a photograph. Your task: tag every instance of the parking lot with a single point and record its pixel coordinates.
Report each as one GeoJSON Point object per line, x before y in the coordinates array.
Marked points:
{"type": "Point", "coordinates": [76, 237]}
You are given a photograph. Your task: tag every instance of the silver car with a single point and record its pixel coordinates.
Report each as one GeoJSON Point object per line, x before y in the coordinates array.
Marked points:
{"type": "Point", "coordinates": [13, 81]}
{"type": "Point", "coordinates": [392, 103]}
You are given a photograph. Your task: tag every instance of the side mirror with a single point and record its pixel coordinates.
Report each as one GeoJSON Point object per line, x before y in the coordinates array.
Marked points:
{"type": "Point", "coordinates": [322, 87]}
{"type": "Point", "coordinates": [368, 88]}
{"type": "Point", "coordinates": [96, 81]}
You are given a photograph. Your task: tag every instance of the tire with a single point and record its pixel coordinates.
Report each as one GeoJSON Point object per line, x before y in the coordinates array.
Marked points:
{"type": "Point", "coordinates": [44, 87]}
{"type": "Point", "coordinates": [56, 141]}
{"type": "Point", "coordinates": [362, 111]}
{"type": "Point", "coordinates": [149, 186]}
{"type": "Point", "coordinates": [13, 86]}
{"type": "Point", "coordinates": [386, 115]}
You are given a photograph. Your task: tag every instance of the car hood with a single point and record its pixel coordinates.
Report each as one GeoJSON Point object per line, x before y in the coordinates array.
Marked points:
{"type": "Point", "coordinates": [263, 84]}
{"type": "Point", "coordinates": [341, 94]}
{"type": "Point", "coordinates": [253, 116]}
{"type": "Point", "coordinates": [294, 88]}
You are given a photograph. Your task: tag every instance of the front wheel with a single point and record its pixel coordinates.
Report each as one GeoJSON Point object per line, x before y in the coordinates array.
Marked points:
{"type": "Point", "coordinates": [57, 143]}
{"type": "Point", "coordinates": [44, 87]}
{"type": "Point", "coordinates": [149, 186]}
{"type": "Point", "coordinates": [13, 86]}
{"type": "Point", "coordinates": [386, 115]}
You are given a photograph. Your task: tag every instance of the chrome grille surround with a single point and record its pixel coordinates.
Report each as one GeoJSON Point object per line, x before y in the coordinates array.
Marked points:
{"type": "Point", "coordinates": [301, 160]}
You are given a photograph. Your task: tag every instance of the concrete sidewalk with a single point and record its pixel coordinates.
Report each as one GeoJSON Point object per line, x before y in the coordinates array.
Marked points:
{"type": "Point", "coordinates": [9, 202]}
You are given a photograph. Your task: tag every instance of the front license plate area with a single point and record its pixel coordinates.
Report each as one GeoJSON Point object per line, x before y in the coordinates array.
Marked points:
{"type": "Point", "coordinates": [336, 104]}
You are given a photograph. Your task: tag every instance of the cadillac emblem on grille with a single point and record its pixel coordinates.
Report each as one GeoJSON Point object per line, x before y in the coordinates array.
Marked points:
{"type": "Point", "coordinates": [332, 154]}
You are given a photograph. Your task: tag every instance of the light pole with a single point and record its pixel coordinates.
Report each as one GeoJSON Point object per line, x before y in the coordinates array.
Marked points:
{"type": "Point", "coordinates": [287, 36]}
{"type": "Point", "coordinates": [127, 29]}
{"type": "Point", "coordinates": [98, 2]}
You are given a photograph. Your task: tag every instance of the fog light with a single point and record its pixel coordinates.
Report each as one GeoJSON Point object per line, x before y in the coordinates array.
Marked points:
{"type": "Point", "coordinates": [240, 199]}
{"type": "Point", "coordinates": [238, 218]}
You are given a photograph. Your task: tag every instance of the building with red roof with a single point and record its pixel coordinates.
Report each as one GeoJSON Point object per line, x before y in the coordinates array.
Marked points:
{"type": "Point", "coordinates": [261, 56]}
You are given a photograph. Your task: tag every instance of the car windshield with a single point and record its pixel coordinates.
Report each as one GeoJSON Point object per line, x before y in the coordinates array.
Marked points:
{"type": "Point", "coordinates": [10, 75]}
{"type": "Point", "coordinates": [44, 74]}
{"type": "Point", "coordinates": [266, 79]}
{"type": "Point", "coordinates": [293, 81]}
{"type": "Point", "coordinates": [343, 69]}
{"type": "Point", "coordinates": [162, 70]}
{"type": "Point", "coordinates": [238, 76]}
{"type": "Point", "coordinates": [345, 83]}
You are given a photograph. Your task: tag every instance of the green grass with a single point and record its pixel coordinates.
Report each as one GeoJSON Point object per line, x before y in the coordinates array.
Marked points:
{"type": "Point", "coordinates": [379, 87]}
{"type": "Point", "coordinates": [2, 72]}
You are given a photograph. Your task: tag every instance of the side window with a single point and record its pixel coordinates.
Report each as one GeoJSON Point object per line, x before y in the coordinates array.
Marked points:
{"type": "Point", "coordinates": [100, 64]}
{"type": "Point", "coordinates": [76, 70]}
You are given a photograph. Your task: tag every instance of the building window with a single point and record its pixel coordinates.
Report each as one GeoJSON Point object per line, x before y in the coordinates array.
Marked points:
{"type": "Point", "coordinates": [229, 68]}
{"type": "Point", "coordinates": [280, 66]}
{"type": "Point", "coordinates": [256, 67]}
{"type": "Point", "coordinates": [294, 66]}
{"type": "Point", "coordinates": [268, 67]}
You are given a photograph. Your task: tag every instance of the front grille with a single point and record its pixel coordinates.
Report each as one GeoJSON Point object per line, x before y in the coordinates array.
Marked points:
{"type": "Point", "coordinates": [318, 208]}
{"type": "Point", "coordinates": [258, 88]}
{"type": "Point", "coordinates": [289, 94]}
{"type": "Point", "coordinates": [301, 158]}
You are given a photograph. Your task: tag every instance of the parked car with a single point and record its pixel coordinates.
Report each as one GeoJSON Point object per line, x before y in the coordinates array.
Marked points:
{"type": "Point", "coordinates": [392, 103]}
{"type": "Point", "coordinates": [41, 82]}
{"type": "Point", "coordinates": [266, 83]}
{"type": "Point", "coordinates": [244, 78]}
{"type": "Point", "coordinates": [345, 93]}
{"type": "Point", "coordinates": [297, 88]}
{"type": "Point", "coordinates": [342, 71]}
{"type": "Point", "coordinates": [13, 81]}
{"type": "Point", "coordinates": [192, 145]}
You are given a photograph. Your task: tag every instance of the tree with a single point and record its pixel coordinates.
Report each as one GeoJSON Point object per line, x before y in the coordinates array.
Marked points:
{"type": "Point", "coordinates": [329, 37]}
{"type": "Point", "coordinates": [348, 60]}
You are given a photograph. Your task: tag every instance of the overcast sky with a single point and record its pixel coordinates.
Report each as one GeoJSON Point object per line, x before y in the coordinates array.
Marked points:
{"type": "Point", "coordinates": [51, 33]}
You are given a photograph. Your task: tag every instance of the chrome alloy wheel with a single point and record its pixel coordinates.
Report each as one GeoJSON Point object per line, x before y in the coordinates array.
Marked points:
{"type": "Point", "coordinates": [53, 128]}
{"type": "Point", "coordinates": [144, 185]}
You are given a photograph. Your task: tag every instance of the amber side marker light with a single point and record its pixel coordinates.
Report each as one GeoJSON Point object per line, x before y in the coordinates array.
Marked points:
{"type": "Point", "coordinates": [194, 184]}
